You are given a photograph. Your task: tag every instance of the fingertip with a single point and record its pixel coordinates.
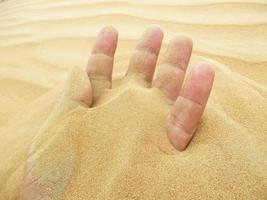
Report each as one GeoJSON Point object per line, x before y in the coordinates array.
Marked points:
{"type": "Point", "coordinates": [205, 68]}
{"type": "Point", "coordinates": [106, 41]}
{"type": "Point", "coordinates": [177, 137]}
{"type": "Point", "coordinates": [155, 28]}
{"type": "Point", "coordinates": [109, 29]}
{"type": "Point", "coordinates": [204, 72]}
{"type": "Point", "coordinates": [151, 39]}
{"type": "Point", "coordinates": [182, 40]}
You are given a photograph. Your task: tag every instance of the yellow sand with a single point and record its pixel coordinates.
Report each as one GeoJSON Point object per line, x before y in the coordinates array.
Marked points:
{"type": "Point", "coordinates": [118, 149]}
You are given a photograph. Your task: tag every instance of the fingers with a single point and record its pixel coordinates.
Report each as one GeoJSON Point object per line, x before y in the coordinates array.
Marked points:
{"type": "Point", "coordinates": [145, 57]}
{"type": "Point", "coordinates": [171, 73]}
{"type": "Point", "coordinates": [100, 63]}
{"type": "Point", "coordinates": [189, 106]}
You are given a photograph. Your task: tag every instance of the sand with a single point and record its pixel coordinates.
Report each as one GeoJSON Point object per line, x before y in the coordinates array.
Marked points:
{"type": "Point", "coordinates": [118, 149]}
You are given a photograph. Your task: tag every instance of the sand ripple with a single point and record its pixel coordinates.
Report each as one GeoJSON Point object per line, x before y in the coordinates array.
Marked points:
{"type": "Point", "coordinates": [40, 40]}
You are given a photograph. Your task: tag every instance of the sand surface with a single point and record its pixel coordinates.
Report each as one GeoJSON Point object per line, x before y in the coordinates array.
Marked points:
{"type": "Point", "coordinates": [118, 149]}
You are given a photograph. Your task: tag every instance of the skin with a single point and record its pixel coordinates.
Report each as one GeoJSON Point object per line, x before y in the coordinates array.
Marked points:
{"type": "Point", "coordinates": [188, 101]}
{"type": "Point", "coordinates": [188, 97]}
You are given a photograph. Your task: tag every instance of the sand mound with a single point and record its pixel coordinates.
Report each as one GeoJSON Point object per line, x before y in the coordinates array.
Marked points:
{"type": "Point", "coordinates": [118, 149]}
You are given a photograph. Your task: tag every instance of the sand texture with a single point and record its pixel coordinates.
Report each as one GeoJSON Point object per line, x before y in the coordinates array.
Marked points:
{"type": "Point", "coordinates": [118, 148]}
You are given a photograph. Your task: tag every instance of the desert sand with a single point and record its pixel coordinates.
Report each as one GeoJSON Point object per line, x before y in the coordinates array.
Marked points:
{"type": "Point", "coordinates": [118, 149]}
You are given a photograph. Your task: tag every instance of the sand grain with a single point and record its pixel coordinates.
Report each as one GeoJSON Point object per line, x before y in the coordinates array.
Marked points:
{"type": "Point", "coordinates": [118, 149]}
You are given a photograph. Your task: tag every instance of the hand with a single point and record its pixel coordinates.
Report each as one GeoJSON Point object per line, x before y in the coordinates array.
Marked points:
{"type": "Point", "coordinates": [188, 101]}
{"type": "Point", "coordinates": [47, 177]}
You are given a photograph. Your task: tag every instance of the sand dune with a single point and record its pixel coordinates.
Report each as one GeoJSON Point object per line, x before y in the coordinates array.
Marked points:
{"type": "Point", "coordinates": [41, 40]}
